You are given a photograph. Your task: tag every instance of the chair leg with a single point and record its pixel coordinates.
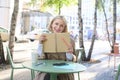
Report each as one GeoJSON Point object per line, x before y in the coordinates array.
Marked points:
{"type": "Point", "coordinates": [12, 74]}
{"type": "Point", "coordinates": [114, 62]}
{"type": "Point", "coordinates": [109, 61]}
{"type": "Point", "coordinates": [78, 76]}
{"type": "Point", "coordinates": [117, 74]}
{"type": "Point", "coordinates": [32, 74]}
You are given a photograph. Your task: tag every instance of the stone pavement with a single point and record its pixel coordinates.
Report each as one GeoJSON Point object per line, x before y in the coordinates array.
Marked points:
{"type": "Point", "coordinates": [95, 71]}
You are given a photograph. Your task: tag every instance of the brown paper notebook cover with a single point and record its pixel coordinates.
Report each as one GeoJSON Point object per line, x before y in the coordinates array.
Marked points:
{"type": "Point", "coordinates": [56, 42]}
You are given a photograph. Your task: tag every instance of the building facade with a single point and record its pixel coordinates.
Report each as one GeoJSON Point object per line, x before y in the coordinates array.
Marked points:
{"type": "Point", "coordinates": [5, 13]}
{"type": "Point", "coordinates": [34, 20]}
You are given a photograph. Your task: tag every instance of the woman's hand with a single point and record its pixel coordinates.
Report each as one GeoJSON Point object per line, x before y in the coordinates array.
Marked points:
{"type": "Point", "coordinates": [70, 49]}
{"type": "Point", "coordinates": [42, 38]}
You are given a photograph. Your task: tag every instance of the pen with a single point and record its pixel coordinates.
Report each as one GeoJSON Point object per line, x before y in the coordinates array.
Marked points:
{"type": "Point", "coordinates": [38, 64]}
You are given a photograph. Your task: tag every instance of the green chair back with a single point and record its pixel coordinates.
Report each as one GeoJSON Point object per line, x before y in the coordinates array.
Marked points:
{"type": "Point", "coordinates": [118, 73]}
{"type": "Point", "coordinates": [13, 66]}
{"type": "Point", "coordinates": [10, 57]}
{"type": "Point", "coordinates": [78, 53]}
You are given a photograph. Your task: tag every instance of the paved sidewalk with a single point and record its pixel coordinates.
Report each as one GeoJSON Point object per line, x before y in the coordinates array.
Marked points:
{"type": "Point", "coordinates": [95, 71]}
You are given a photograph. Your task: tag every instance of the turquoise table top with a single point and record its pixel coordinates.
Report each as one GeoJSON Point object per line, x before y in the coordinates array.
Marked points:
{"type": "Point", "coordinates": [49, 66]}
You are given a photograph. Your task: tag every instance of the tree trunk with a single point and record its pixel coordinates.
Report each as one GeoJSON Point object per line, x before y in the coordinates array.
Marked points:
{"type": "Point", "coordinates": [59, 10]}
{"type": "Point", "coordinates": [2, 57]}
{"type": "Point", "coordinates": [88, 58]}
{"type": "Point", "coordinates": [106, 22]}
{"type": "Point", "coordinates": [81, 43]}
{"type": "Point", "coordinates": [13, 25]}
{"type": "Point", "coordinates": [114, 24]}
{"type": "Point", "coordinates": [94, 33]}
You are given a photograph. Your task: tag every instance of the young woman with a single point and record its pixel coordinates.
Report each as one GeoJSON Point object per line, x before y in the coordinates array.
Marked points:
{"type": "Point", "coordinates": [57, 25]}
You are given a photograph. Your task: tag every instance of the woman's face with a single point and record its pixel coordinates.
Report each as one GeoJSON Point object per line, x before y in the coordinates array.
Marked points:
{"type": "Point", "coordinates": [58, 26]}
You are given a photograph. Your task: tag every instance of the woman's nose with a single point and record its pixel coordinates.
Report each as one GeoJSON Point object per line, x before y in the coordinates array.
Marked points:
{"type": "Point", "coordinates": [58, 26]}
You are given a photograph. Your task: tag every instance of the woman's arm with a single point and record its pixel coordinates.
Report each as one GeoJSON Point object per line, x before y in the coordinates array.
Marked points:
{"type": "Point", "coordinates": [71, 52]}
{"type": "Point", "coordinates": [40, 45]}
{"type": "Point", "coordinates": [71, 57]}
{"type": "Point", "coordinates": [40, 49]}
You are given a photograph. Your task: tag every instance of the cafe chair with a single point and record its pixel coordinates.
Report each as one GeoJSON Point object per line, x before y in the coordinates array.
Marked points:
{"type": "Point", "coordinates": [115, 54]}
{"type": "Point", "coordinates": [78, 53]}
{"type": "Point", "coordinates": [118, 73]}
{"type": "Point", "coordinates": [12, 64]}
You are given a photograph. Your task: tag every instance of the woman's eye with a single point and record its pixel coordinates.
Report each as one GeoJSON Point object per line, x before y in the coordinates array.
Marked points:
{"type": "Point", "coordinates": [62, 26]}
{"type": "Point", "coordinates": [56, 23]}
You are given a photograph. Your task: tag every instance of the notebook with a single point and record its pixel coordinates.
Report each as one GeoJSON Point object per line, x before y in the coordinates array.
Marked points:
{"type": "Point", "coordinates": [56, 42]}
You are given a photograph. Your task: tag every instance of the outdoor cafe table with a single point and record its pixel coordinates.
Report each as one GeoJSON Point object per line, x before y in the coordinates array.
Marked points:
{"type": "Point", "coordinates": [48, 67]}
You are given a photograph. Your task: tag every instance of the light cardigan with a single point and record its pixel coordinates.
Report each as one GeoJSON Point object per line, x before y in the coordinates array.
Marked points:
{"type": "Point", "coordinates": [69, 56]}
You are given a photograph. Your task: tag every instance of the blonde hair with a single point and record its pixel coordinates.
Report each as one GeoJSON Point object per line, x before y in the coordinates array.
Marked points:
{"type": "Point", "coordinates": [58, 17]}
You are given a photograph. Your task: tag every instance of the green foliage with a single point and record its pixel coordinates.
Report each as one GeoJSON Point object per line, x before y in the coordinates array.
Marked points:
{"type": "Point", "coordinates": [57, 4]}
{"type": "Point", "coordinates": [32, 2]}
{"type": "Point", "coordinates": [102, 2]}
{"type": "Point", "coordinates": [32, 28]}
